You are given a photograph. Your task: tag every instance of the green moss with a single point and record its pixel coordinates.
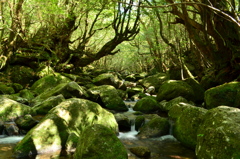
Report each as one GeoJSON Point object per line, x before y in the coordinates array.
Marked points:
{"type": "Point", "coordinates": [146, 105]}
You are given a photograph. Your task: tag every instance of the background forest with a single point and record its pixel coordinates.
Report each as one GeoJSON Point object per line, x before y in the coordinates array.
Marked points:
{"type": "Point", "coordinates": [197, 38]}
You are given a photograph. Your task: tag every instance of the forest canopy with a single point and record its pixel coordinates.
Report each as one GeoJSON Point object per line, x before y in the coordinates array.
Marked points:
{"type": "Point", "coordinates": [192, 36]}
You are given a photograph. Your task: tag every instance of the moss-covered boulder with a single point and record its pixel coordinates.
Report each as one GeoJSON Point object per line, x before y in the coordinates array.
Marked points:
{"type": "Point", "coordinates": [154, 80]}
{"type": "Point", "coordinates": [108, 97]}
{"type": "Point", "coordinates": [176, 110]}
{"type": "Point", "coordinates": [173, 88]}
{"type": "Point", "coordinates": [70, 116]}
{"type": "Point", "coordinates": [186, 126]}
{"type": "Point", "coordinates": [44, 107]}
{"type": "Point", "coordinates": [48, 82]}
{"type": "Point", "coordinates": [226, 94]}
{"type": "Point", "coordinates": [131, 91]}
{"type": "Point", "coordinates": [156, 127]}
{"type": "Point", "coordinates": [100, 142]}
{"type": "Point", "coordinates": [218, 135]}
{"type": "Point", "coordinates": [68, 90]}
{"type": "Point", "coordinates": [10, 109]}
{"type": "Point", "coordinates": [4, 89]}
{"type": "Point", "coordinates": [166, 106]}
{"type": "Point", "coordinates": [27, 94]}
{"type": "Point", "coordinates": [198, 90]}
{"type": "Point", "coordinates": [139, 122]}
{"type": "Point", "coordinates": [124, 124]}
{"type": "Point", "coordinates": [107, 79]}
{"type": "Point", "coordinates": [147, 104]}
{"type": "Point", "coordinates": [26, 122]}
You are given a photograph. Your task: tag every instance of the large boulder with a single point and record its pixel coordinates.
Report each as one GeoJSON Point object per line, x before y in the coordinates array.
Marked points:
{"type": "Point", "coordinates": [186, 126]}
{"type": "Point", "coordinates": [44, 107]}
{"type": "Point", "coordinates": [226, 94]}
{"type": "Point", "coordinates": [10, 109]}
{"type": "Point", "coordinates": [173, 88]}
{"type": "Point", "coordinates": [218, 135]}
{"type": "Point", "coordinates": [166, 106]}
{"type": "Point", "coordinates": [147, 104]}
{"type": "Point", "coordinates": [156, 127]}
{"type": "Point", "coordinates": [100, 142]}
{"type": "Point", "coordinates": [48, 82]}
{"type": "Point", "coordinates": [68, 90]}
{"type": "Point", "coordinates": [108, 79]}
{"type": "Point", "coordinates": [108, 97]}
{"type": "Point", "coordinates": [70, 116]}
{"type": "Point", "coordinates": [154, 80]}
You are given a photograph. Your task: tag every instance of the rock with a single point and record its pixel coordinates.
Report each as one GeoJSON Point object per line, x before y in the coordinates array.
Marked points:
{"type": "Point", "coordinates": [186, 126]}
{"type": "Point", "coordinates": [176, 110]}
{"type": "Point", "coordinates": [99, 142]}
{"type": "Point", "coordinates": [68, 90]}
{"type": "Point", "coordinates": [1, 126]}
{"type": "Point", "coordinates": [70, 116]}
{"type": "Point", "coordinates": [146, 105]}
{"type": "Point", "coordinates": [27, 94]}
{"type": "Point", "coordinates": [198, 90]}
{"type": "Point", "coordinates": [10, 109]}
{"type": "Point", "coordinates": [11, 128]}
{"type": "Point", "coordinates": [124, 123]}
{"type": "Point", "coordinates": [4, 89]}
{"type": "Point", "coordinates": [17, 87]}
{"type": "Point", "coordinates": [173, 88]}
{"type": "Point", "coordinates": [26, 122]}
{"type": "Point", "coordinates": [108, 97]}
{"type": "Point", "coordinates": [141, 151]}
{"type": "Point", "coordinates": [226, 94]}
{"type": "Point", "coordinates": [48, 82]}
{"type": "Point", "coordinates": [156, 127]}
{"type": "Point", "coordinates": [16, 98]}
{"type": "Point", "coordinates": [138, 96]}
{"type": "Point", "coordinates": [107, 79]}
{"type": "Point", "coordinates": [139, 122]}
{"type": "Point", "coordinates": [218, 135]}
{"type": "Point", "coordinates": [135, 90]}
{"type": "Point", "coordinates": [154, 80]}
{"type": "Point", "coordinates": [44, 107]}
{"type": "Point", "coordinates": [166, 106]}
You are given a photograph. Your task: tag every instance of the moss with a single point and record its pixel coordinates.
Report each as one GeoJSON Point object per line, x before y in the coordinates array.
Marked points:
{"type": "Point", "coordinates": [146, 105]}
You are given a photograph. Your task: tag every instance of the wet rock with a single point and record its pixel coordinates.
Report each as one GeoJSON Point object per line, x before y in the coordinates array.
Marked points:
{"type": "Point", "coordinates": [166, 106]}
{"type": "Point", "coordinates": [156, 127]}
{"type": "Point", "coordinates": [97, 142]}
{"type": "Point", "coordinates": [108, 97]}
{"type": "Point", "coordinates": [141, 151]}
{"type": "Point", "coordinates": [226, 94]}
{"type": "Point", "coordinates": [139, 122]}
{"type": "Point", "coordinates": [11, 128]}
{"type": "Point", "coordinates": [186, 126]}
{"type": "Point", "coordinates": [70, 116]}
{"type": "Point", "coordinates": [146, 105]}
{"type": "Point", "coordinates": [26, 122]}
{"type": "Point", "coordinates": [124, 123]}
{"type": "Point", "coordinates": [44, 107]}
{"type": "Point", "coordinates": [218, 135]}
{"type": "Point", "coordinates": [173, 88]}
{"type": "Point", "coordinates": [135, 90]}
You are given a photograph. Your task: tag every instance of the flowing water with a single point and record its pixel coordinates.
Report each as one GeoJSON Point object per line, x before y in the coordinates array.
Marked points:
{"type": "Point", "coordinates": [164, 147]}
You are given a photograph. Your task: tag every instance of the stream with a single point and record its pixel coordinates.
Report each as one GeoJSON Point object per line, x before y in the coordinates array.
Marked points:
{"type": "Point", "coordinates": [164, 147]}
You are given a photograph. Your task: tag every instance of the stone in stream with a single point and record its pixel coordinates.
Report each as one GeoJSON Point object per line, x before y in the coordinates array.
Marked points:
{"type": "Point", "coordinates": [99, 142]}
{"type": "Point", "coordinates": [147, 104]}
{"type": "Point", "coordinates": [71, 116]}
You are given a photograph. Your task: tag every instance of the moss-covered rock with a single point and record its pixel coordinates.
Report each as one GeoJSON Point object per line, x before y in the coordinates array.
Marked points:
{"type": "Point", "coordinates": [146, 105]}
{"type": "Point", "coordinates": [156, 127]}
{"type": "Point", "coordinates": [70, 116]}
{"type": "Point", "coordinates": [134, 90]}
{"type": "Point", "coordinates": [154, 80]}
{"type": "Point", "coordinates": [107, 79]}
{"type": "Point", "coordinates": [44, 107]}
{"type": "Point", "coordinates": [226, 94]}
{"type": "Point", "coordinates": [139, 122]}
{"type": "Point", "coordinates": [218, 135]}
{"type": "Point", "coordinates": [10, 109]}
{"type": "Point", "coordinates": [4, 89]}
{"type": "Point", "coordinates": [17, 87]}
{"type": "Point", "coordinates": [71, 143]}
{"type": "Point", "coordinates": [197, 88]}
{"type": "Point", "coordinates": [68, 90]}
{"type": "Point", "coordinates": [108, 97]}
{"type": "Point", "coordinates": [176, 110]}
{"type": "Point", "coordinates": [27, 94]}
{"type": "Point", "coordinates": [26, 122]}
{"type": "Point", "coordinates": [124, 124]}
{"type": "Point", "coordinates": [48, 82]}
{"type": "Point", "coordinates": [173, 88]}
{"type": "Point", "coordinates": [166, 106]}
{"type": "Point", "coordinates": [99, 142]}
{"type": "Point", "coordinates": [186, 126]}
